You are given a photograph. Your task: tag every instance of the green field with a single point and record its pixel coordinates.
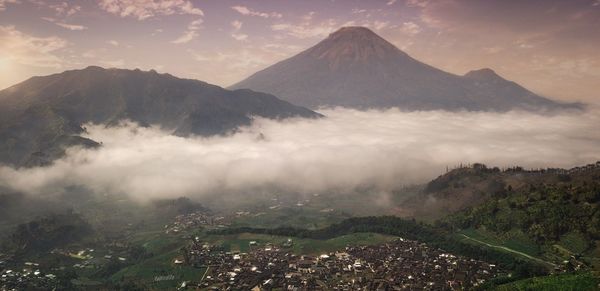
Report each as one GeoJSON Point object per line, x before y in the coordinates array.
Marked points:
{"type": "Point", "coordinates": [574, 242]}
{"type": "Point", "coordinates": [302, 217]}
{"type": "Point", "coordinates": [515, 243]}
{"type": "Point", "coordinates": [514, 240]}
{"type": "Point", "coordinates": [566, 282]}
{"type": "Point", "coordinates": [159, 265]}
{"type": "Point", "coordinates": [241, 242]}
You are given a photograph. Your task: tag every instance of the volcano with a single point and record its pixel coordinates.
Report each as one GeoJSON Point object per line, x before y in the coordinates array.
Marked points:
{"type": "Point", "coordinates": [354, 67]}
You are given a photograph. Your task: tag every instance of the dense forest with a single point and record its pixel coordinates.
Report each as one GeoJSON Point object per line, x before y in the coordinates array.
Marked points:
{"type": "Point", "coordinates": [545, 210]}
{"type": "Point", "coordinates": [473, 185]}
{"type": "Point", "coordinates": [46, 232]}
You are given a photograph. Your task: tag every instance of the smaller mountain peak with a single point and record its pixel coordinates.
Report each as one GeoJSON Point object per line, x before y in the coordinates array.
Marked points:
{"type": "Point", "coordinates": [483, 74]}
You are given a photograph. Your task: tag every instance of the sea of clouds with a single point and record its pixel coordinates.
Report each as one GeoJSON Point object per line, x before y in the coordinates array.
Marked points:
{"type": "Point", "coordinates": [347, 150]}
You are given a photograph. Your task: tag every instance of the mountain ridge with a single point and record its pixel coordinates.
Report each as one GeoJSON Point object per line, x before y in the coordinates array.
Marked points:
{"type": "Point", "coordinates": [43, 115]}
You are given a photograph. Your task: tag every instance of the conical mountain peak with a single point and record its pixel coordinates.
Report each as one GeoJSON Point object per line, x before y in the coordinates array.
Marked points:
{"type": "Point", "coordinates": [355, 67]}
{"type": "Point", "coordinates": [353, 44]}
{"type": "Point", "coordinates": [353, 31]}
{"type": "Point", "coordinates": [485, 74]}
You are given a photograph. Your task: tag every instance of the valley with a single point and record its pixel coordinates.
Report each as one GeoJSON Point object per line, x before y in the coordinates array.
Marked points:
{"type": "Point", "coordinates": [348, 145]}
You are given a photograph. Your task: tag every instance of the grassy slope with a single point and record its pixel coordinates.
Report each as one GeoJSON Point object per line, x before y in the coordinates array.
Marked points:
{"type": "Point", "coordinates": [516, 240]}
{"type": "Point", "coordinates": [240, 242]}
{"type": "Point", "coordinates": [165, 249]}
{"type": "Point", "coordinates": [520, 249]}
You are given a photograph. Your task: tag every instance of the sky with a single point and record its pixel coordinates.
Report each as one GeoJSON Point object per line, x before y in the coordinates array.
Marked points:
{"type": "Point", "coordinates": [549, 46]}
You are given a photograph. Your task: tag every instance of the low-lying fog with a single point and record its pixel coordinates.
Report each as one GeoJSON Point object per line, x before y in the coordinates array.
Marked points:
{"type": "Point", "coordinates": [346, 150]}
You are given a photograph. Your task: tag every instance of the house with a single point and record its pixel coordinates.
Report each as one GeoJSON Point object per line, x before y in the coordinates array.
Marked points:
{"type": "Point", "coordinates": [304, 266]}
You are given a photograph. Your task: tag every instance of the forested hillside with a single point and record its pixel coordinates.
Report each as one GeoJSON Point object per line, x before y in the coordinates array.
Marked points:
{"type": "Point", "coordinates": [550, 213]}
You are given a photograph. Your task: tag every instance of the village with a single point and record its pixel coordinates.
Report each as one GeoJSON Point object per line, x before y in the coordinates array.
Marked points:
{"type": "Point", "coordinates": [398, 265]}
{"type": "Point", "coordinates": [30, 276]}
{"type": "Point", "coordinates": [194, 220]}
{"type": "Point", "coordinates": [27, 278]}
{"type": "Point", "coordinates": [36, 276]}
{"type": "Point", "coordinates": [202, 219]}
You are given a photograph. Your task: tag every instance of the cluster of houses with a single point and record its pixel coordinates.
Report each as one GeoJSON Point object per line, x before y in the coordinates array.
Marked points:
{"type": "Point", "coordinates": [398, 265]}
{"type": "Point", "coordinates": [27, 278]}
{"type": "Point", "coordinates": [200, 219]}
{"type": "Point", "coordinates": [88, 258]}
{"type": "Point", "coordinates": [15, 275]}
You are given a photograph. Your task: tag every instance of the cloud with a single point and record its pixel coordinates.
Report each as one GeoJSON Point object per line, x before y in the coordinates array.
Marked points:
{"type": "Point", "coordinates": [190, 33]}
{"type": "Point", "coordinates": [378, 25]}
{"type": "Point", "coordinates": [113, 42]}
{"type": "Point", "coordinates": [71, 26]}
{"type": "Point", "coordinates": [234, 60]}
{"type": "Point", "coordinates": [239, 36]}
{"type": "Point", "coordinates": [493, 49]}
{"type": "Point", "coordinates": [157, 31]}
{"type": "Point", "coordinates": [310, 27]}
{"type": "Point", "coordinates": [307, 29]}
{"type": "Point", "coordinates": [29, 50]}
{"type": "Point", "coordinates": [143, 9]}
{"type": "Point", "coordinates": [348, 150]}
{"type": "Point", "coordinates": [410, 28]}
{"type": "Point", "coordinates": [65, 9]}
{"type": "Point", "coordinates": [418, 3]}
{"type": "Point", "coordinates": [4, 2]}
{"type": "Point", "coordinates": [186, 37]}
{"type": "Point", "coordinates": [65, 25]}
{"type": "Point", "coordinates": [249, 12]}
{"type": "Point", "coordinates": [114, 63]}
{"type": "Point", "coordinates": [236, 24]}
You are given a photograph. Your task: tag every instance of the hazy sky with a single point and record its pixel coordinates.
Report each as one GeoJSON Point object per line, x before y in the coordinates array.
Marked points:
{"type": "Point", "coordinates": [549, 46]}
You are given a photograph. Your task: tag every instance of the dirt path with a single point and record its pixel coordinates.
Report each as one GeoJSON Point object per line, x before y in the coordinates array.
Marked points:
{"type": "Point", "coordinates": [205, 272]}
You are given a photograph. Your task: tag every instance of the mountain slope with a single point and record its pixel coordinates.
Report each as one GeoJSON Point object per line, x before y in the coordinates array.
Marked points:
{"type": "Point", "coordinates": [466, 187]}
{"type": "Point", "coordinates": [354, 67]}
{"type": "Point", "coordinates": [43, 115]}
{"type": "Point", "coordinates": [550, 214]}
